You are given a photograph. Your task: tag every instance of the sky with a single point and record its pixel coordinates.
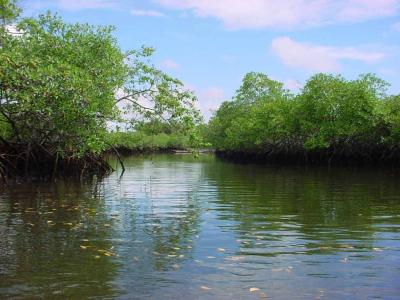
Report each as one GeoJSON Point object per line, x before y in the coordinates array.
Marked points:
{"type": "Point", "coordinates": [211, 44]}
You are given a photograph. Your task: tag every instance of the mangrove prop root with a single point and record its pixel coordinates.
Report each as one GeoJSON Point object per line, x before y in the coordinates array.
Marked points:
{"type": "Point", "coordinates": [37, 161]}
{"type": "Point", "coordinates": [342, 154]}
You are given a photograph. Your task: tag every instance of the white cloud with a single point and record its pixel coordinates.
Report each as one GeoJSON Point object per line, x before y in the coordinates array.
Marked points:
{"type": "Point", "coordinates": [170, 64]}
{"type": "Point", "coordinates": [147, 13]}
{"type": "Point", "coordinates": [319, 58]}
{"type": "Point", "coordinates": [367, 9]}
{"type": "Point", "coordinates": [209, 100]}
{"type": "Point", "coordinates": [292, 84]}
{"type": "Point", "coordinates": [287, 14]}
{"type": "Point", "coordinates": [72, 5]}
{"type": "Point", "coordinates": [13, 30]}
{"type": "Point", "coordinates": [85, 4]}
{"type": "Point", "coordinates": [213, 93]}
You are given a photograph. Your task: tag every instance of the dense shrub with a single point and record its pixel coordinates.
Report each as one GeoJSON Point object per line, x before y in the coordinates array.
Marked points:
{"type": "Point", "coordinates": [330, 115]}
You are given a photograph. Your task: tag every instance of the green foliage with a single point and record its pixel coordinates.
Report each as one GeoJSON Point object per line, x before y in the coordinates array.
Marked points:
{"type": "Point", "coordinates": [333, 109]}
{"type": "Point", "coordinates": [9, 11]}
{"type": "Point", "coordinates": [140, 141]}
{"type": "Point", "coordinates": [57, 84]}
{"type": "Point", "coordinates": [391, 116]}
{"type": "Point", "coordinates": [329, 111]}
{"type": "Point", "coordinates": [151, 96]}
{"type": "Point", "coordinates": [157, 126]}
{"type": "Point", "coordinates": [256, 115]}
{"type": "Point", "coordinates": [61, 84]}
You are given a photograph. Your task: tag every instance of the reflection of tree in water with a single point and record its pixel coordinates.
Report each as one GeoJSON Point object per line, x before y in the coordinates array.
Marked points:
{"type": "Point", "coordinates": [317, 208]}
{"type": "Point", "coordinates": [51, 235]}
{"type": "Point", "coordinates": [159, 217]}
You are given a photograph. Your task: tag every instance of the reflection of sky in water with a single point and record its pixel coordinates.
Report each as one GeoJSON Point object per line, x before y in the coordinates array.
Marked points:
{"type": "Point", "coordinates": [184, 228]}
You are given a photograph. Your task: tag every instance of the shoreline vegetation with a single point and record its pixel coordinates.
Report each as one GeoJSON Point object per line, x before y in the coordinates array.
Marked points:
{"type": "Point", "coordinates": [137, 142]}
{"type": "Point", "coordinates": [64, 86]}
{"type": "Point", "coordinates": [332, 120]}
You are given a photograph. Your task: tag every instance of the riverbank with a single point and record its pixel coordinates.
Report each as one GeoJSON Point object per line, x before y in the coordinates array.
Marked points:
{"type": "Point", "coordinates": [24, 163]}
{"type": "Point", "coordinates": [39, 162]}
{"type": "Point", "coordinates": [130, 143]}
{"type": "Point", "coordinates": [360, 155]}
{"type": "Point", "coordinates": [137, 142]}
{"type": "Point", "coordinates": [331, 121]}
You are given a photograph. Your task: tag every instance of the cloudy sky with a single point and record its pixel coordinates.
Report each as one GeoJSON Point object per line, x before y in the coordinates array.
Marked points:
{"type": "Point", "coordinates": [211, 44]}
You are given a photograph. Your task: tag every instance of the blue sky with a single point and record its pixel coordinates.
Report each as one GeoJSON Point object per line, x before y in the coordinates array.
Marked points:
{"type": "Point", "coordinates": [211, 44]}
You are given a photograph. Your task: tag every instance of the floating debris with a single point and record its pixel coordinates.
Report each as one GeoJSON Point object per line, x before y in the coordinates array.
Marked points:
{"type": "Point", "coordinates": [325, 248]}
{"type": "Point", "coordinates": [288, 269]}
{"type": "Point", "coordinates": [235, 258]}
{"type": "Point", "coordinates": [176, 266]}
{"type": "Point", "coordinates": [254, 289]}
{"type": "Point", "coordinates": [221, 250]}
{"type": "Point", "coordinates": [345, 246]}
{"type": "Point", "coordinates": [206, 288]}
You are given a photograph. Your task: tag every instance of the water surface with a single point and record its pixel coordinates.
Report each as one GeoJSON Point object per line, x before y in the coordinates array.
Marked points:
{"type": "Point", "coordinates": [176, 227]}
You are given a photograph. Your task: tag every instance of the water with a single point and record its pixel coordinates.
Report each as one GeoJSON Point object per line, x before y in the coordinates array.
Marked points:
{"type": "Point", "coordinates": [176, 227]}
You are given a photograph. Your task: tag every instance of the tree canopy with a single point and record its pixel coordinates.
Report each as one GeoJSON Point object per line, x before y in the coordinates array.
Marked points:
{"type": "Point", "coordinates": [62, 84]}
{"type": "Point", "coordinates": [9, 11]}
{"type": "Point", "coordinates": [329, 113]}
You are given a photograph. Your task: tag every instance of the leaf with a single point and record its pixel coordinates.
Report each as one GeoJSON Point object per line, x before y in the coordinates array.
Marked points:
{"type": "Point", "coordinates": [254, 289]}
